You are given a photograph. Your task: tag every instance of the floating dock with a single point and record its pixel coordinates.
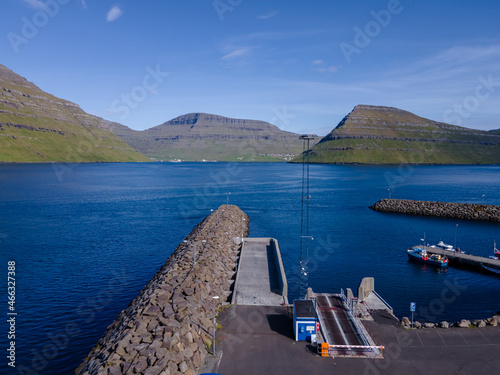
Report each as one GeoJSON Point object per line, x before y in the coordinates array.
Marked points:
{"type": "Point", "coordinates": [463, 259]}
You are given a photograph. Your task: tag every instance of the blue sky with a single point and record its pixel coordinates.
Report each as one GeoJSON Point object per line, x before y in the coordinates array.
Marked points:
{"type": "Point", "coordinates": [300, 65]}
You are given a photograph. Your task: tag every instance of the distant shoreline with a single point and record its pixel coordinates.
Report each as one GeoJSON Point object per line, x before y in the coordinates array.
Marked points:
{"type": "Point", "coordinates": [248, 162]}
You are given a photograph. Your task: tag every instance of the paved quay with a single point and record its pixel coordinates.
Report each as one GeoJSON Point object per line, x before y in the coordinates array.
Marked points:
{"type": "Point", "coordinates": [260, 276]}
{"type": "Point", "coordinates": [463, 259]}
{"type": "Point", "coordinates": [259, 340]}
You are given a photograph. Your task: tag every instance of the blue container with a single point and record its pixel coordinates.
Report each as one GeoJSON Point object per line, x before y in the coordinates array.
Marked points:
{"type": "Point", "coordinates": [304, 320]}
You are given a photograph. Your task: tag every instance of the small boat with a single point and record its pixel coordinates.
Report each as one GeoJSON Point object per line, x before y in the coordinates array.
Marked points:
{"type": "Point", "coordinates": [441, 245]}
{"type": "Point", "coordinates": [491, 269]}
{"type": "Point", "coordinates": [421, 255]}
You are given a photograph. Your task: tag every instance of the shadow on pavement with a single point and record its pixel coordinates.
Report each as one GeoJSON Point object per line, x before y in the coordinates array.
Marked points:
{"type": "Point", "coordinates": [281, 324]}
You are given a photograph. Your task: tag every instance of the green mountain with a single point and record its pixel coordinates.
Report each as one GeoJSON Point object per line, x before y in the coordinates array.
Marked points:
{"type": "Point", "coordinates": [202, 136]}
{"type": "Point", "coordinates": [38, 127]}
{"type": "Point", "coordinates": [385, 135]}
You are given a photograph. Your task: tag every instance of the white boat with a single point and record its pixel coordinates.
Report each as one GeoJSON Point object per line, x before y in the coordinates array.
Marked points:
{"type": "Point", "coordinates": [441, 245]}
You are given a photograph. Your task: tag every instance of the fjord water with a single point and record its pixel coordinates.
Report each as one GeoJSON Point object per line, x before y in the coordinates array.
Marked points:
{"type": "Point", "coordinates": [86, 239]}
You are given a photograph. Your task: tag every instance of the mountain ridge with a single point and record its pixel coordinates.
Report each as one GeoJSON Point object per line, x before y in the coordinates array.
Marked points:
{"type": "Point", "coordinates": [387, 135]}
{"type": "Point", "coordinates": [203, 136]}
{"type": "Point", "coordinates": [36, 126]}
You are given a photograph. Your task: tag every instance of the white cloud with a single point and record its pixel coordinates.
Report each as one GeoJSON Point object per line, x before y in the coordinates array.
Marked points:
{"type": "Point", "coordinates": [324, 69]}
{"type": "Point", "coordinates": [84, 4]}
{"type": "Point", "coordinates": [264, 36]}
{"type": "Point", "coordinates": [265, 42]}
{"type": "Point", "coordinates": [465, 54]}
{"type": "Point", "coordinates": [237, 53]}
{"type": "Point", "coordinates": [452, 64]}
{"type": "Point", "coordinates": [267, 15]}
{"type": "Point", "coordinates": [114, 13]}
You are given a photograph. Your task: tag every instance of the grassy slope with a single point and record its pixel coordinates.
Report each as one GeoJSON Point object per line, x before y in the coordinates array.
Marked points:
{"type": "Point", "coordinates": [38, 127]}
{"type": "Point", "coordinates": [382, 151]}
{"type": "Point", "coordinates": [213, 137]}
{"type": "Point", "coordinates": [368, 135]}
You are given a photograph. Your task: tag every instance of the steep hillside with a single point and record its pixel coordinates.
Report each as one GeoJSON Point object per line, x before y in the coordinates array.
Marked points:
{"type": "Point", "coordinates": [38, 127]}
{"type": "Point", "coordinates": [385, 135]}
{"type": "Point", "coordinates": [201, 136]}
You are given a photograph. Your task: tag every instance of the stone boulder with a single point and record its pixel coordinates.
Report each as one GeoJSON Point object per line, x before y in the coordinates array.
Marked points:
{"type": "Point", "coordinates": [444, 324]}
{"type": "Point", "coordinates": [464, 323]}
{"type": "Point", "coordinates": [479, 323]}
{"type": "Point", "coordinates": [496, 318]}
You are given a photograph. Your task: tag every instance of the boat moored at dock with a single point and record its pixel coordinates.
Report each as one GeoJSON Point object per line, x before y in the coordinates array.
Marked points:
{"type": "Point", "coordinates": [492, 269]}
{"type": "Point", "coordinates": [419, 254]}
{"type": "Point", "coordinates": [443, 246]}
{"type": "Point", "coordinates": [460, 259]}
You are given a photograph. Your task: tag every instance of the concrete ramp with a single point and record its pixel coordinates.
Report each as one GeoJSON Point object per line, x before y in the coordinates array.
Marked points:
{"type": "Point", "coordinates": [344, 334]}
{"type": "Point", "coordinates": [260, 279]}
{"type": "Point", "coordinates": [336, 327]}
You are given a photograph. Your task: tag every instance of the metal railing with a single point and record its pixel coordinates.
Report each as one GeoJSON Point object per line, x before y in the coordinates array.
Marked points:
{"type": "Point", "coordinates": [343, 297]}
{"type": "Point", "coordinates": [383, 300]}
{"type": "Point", "coordinates": [360, 328]}
{"type": "Point", "coordinates": [366, 338]}
{"type": "Point", "coordinates": [324, 349]}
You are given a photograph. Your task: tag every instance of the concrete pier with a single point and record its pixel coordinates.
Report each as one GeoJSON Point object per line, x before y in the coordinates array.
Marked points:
{"type": "Point", "coordinates": [463, 259]}
{"type": "Point", "coordinates": [260, 278]}
{"type": "Point", "coordinates": [368, 299]}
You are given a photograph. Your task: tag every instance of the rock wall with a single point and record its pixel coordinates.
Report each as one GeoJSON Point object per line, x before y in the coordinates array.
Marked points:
{"type": "Point", "coordinates": [467, 211]}
{"type": "Point", "coordinates": [167, 329]}
{"type": "Point", "coordinates": [464, 323]}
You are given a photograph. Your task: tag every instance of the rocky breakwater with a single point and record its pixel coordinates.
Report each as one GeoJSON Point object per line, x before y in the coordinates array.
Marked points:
{"type": "Point", "coordinates": [466, 211]}
{"type": "Point", "coordinates": [464, 323]}
{"type": "Point", "coordinates": [167, 329]}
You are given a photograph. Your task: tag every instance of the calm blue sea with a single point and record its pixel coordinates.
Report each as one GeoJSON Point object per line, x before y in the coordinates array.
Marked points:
{"type": "Point", "coordinates": [86, 238]}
